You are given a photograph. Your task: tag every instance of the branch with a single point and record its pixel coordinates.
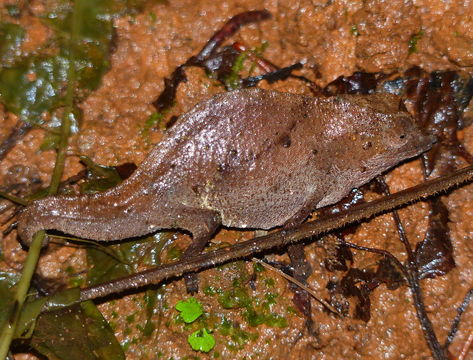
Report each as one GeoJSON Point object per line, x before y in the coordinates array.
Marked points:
{"type": "Point", "coordinates": [280, 238]}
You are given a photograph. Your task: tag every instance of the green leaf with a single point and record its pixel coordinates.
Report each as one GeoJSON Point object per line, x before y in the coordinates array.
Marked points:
{"type": "Point", "coordinates": [29, 312]}
{"type": "Point", "coordinates": [27, 320]}
{"type": "Point", "coordinates": [201, 340]}
{"type": "Point", "coordinates": [7, 298]}
{"type": "Point", "coordinates": [34, 86]}
{"type": "Point", "coordinates": [103, 266]}
{"type": "Point", "coordinates": [76, 333]}
{"type": "Point", "coordinates": [89, 41]}
{"type": "Point", "coordinates": [32, 309]}
{"type": "Point", "coordinates": [63, 298]}
{"type": "Point", "coordinates": [99, 177]}
{"type": "Point", "coordinates": [145, 251]}
{"type": "Point", "coordinates": [11, 37]}
{"type": "Point", "coordinates": [190, 309]}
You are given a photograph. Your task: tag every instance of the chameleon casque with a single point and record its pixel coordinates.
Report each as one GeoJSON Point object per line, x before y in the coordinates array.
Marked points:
{"type": "Point", "coordinates": [249, 158]}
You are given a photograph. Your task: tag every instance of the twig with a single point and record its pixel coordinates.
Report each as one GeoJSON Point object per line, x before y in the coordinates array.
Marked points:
{"type": "Point", "coordinates": [466, 347]}
{"type": "Point", "coordinates": [427, 327]}
{"type": "Point", "coordinates": [414, 285]}
{"type": "Point", "coordinates": [228, 29]}
{"type": "Point", "coordinates": [168, 95]}
{"type": "Point", "coordinates": [456, 322]}
{"type": "Point", "coordinates": [18, 132]}
{"type": "Point", "coordinates": [298, 283]}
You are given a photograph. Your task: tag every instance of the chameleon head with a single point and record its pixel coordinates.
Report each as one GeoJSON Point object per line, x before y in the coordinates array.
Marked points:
{"type": "Point", "coordinates": [382, 135]}
{"type": "Point", "coordinates": [398, 137]}
{"type": "Point", "coordinates": [406, 138]}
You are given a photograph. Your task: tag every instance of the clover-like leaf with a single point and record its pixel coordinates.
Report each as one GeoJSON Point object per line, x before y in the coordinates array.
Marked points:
{"type": "Point", "coordinates": [190, 309]}
{"type": "Point", "coordinates": [201, 340]}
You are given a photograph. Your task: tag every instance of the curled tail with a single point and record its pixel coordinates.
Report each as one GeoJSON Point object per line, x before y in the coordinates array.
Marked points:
{"type": "Point", "coordinates": [95, 217]}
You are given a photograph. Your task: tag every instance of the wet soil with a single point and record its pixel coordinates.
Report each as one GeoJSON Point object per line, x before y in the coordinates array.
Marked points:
{"type": "Point", "coordinates": [331, 38]}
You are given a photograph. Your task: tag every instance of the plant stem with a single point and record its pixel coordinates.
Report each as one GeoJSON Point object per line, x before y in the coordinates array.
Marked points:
{"type": "Point", "coordinates": [13, 198]}
{"type": "Point", "coordinates": [68, 111]}
{"type": "Point", "coordinates": [35, 248]}
{"type": "Point", "coordinates": [20, 296]}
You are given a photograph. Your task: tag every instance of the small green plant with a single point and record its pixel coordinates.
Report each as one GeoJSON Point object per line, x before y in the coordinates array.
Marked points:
{"type": "Point", "coordinates": [201, 340]}
{"type": "Point", "coordinates": [412, 45]}
{"type": "Point", "coordinates": [190, 310]}
{"type": "Point", "coordinates": [155, 120]}
{"type": "Point", "coordinates": [354, 31]}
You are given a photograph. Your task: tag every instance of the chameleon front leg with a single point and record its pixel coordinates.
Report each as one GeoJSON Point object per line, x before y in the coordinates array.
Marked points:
{"type": "Point", "coordinates": [202, 224]}
{"type": "Point", "coordinates": [192, 279]}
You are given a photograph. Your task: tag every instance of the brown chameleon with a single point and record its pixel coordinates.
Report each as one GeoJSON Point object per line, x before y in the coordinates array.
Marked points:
{"type": "Point", "coordinates": [245, 159]}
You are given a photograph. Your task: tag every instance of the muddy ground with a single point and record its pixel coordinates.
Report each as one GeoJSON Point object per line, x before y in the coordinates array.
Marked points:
{"type": "Point", "coordinates": [331, 38]}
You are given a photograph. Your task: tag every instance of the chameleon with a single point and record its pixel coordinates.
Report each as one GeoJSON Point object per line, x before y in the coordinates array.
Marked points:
{"type": "Point", "coordinates": [246, 159]}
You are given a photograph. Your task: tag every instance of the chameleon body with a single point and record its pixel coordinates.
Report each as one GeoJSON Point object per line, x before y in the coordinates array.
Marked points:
{"type": "Point", "coordinates": [245, 159]}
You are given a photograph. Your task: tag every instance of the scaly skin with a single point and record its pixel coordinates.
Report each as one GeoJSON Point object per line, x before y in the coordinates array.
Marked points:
{"type": "Point", "coordinates": [246, 159]}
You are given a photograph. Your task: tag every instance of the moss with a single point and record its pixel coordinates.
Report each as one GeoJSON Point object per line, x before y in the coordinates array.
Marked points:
{"type": "Point", "coordinates": [155, 120]}
{"type": "Point", "coordinates": [232, 81]}
{"type": "Point", "coordinates": [126, 345]}
{"type": "Point", "coordinates": [412, 45]}
{"type": "Point", "coordinates": [174, 253]}
{"type": "Point", "coordinates": [269, 282]}
{"type": "Point", "coordinates": [291, 310]}
{"type": "Point", "coordinates": [209, 290]}
{"type": "Point", "coordinates": [13, 10]}
{"type": "Point", "coordinates": [354, 31]}
{"type": "Point", "coordinates": [238, 337]}
{"type": "Point", "coordinates": [130, 318]}
{"type": "Point", "coordinates": [237, 297]}
{"type": "Point", "coordinates": [258, 268]}
{"type": "Point", "coordinates": [270, 299]}
{"type": "Point", "coordinates": [11, 37]}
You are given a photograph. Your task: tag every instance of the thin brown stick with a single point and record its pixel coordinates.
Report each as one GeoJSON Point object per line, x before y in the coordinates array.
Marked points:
{"type": "Point", "coordinates": [414, 285]}
{"type": "Point", "coordinates": [280, 238]}
{"type": "Point", "coordinates": [456, 322]}
{"type": "Point", "coordinates": [298, 283]}
{"type": "Point", "coordinates": [20, 129]}
{"type": "Point", "coordinates": [466, 347]}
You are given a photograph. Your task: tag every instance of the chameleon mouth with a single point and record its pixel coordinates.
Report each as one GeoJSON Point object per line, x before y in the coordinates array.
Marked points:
{"type": "Point", "coordinates": [426, 141]}
{"type": "Point", "coordinates": [422, 144]}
